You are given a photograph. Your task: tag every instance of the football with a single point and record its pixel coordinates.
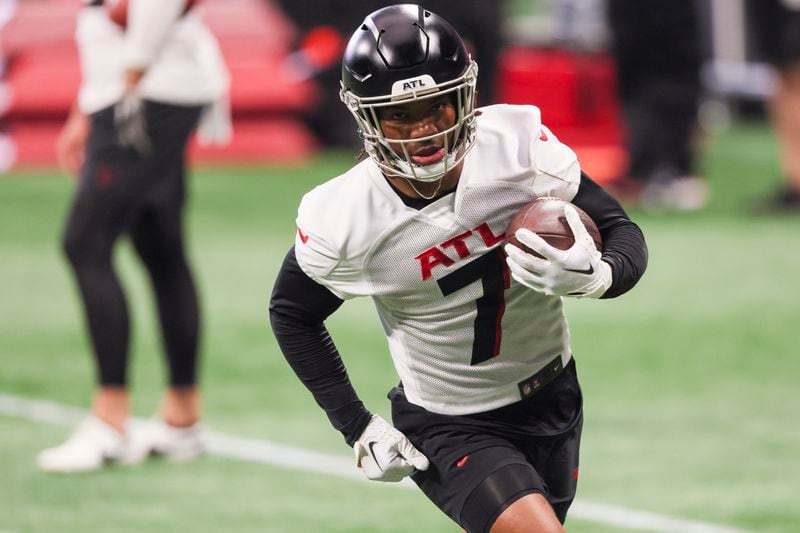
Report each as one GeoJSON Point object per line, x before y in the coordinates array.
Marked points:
{"type": "Point", "coordinates": [545, 217]}
{"type": "Point", "coordinates": [118, 11]}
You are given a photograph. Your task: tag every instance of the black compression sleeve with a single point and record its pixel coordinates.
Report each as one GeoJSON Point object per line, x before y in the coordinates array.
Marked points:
{"type": "Point", "coordinates": [623, 242]}
{"type": "Point", "coordinates": [297, 309]}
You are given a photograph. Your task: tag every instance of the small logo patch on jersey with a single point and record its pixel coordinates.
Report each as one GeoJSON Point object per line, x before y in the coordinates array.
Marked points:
{"type": "Point", "coordinates": [461, 462]}
{"type": "Point", "coordinates": [529, 387]}
{"type": "Point", "coordinates": [542, 135]}
{"type": "Point", "coordinates": [303, 236]}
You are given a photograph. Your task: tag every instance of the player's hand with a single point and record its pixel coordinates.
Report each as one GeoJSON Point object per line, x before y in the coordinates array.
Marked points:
{"type": "Point", "coordinates": [577, 271]}
{"type": "Point", "coordinates": [130, 123]}
{"type": "Point", "coordinates": [385, 454]}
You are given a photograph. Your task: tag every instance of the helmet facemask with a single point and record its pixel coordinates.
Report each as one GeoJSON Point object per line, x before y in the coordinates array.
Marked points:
{"type": "Point", "coordinates": [458, 139]}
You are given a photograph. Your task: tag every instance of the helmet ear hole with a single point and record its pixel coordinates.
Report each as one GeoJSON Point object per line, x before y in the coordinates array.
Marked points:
{"type": "Point", "coordinates": [404, 53]}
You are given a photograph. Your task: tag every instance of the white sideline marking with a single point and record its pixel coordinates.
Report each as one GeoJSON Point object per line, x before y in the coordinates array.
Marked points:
{"type": "Point", "coordinates": [260, 451]}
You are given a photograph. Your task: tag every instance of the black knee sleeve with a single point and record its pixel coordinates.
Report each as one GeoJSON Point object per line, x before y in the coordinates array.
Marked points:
{"type": "Point", "coordinates": [496, 493]}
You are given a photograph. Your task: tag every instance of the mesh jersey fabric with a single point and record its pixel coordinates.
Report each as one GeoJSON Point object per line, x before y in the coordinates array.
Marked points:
{"type": "Point", "coordinates": [461, 332]}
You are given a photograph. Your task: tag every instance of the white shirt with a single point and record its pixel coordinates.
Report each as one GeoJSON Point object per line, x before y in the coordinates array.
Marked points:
{"type": "Point", "coordinates": [461, 332]}
{"type": "Point", "coordinates": [182, 59]}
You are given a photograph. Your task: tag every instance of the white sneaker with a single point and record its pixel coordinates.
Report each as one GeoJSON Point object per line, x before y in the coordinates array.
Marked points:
{"type": "Point", "coordinates": [690, 193]}
{"type": "Point", "coordinates": [156, 437]}
{"type": "Point", "coordinates": [93, 444]}
{"type": "Point", "coordinates": [685, 193]}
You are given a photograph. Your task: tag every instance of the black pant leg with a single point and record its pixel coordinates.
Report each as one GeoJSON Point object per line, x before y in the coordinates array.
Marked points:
{"type": "Point", "coordinates": [108, 194]}
{"type": "Point", "coordinates": [158, 237]}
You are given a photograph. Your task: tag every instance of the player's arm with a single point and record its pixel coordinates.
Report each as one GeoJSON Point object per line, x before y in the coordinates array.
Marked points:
{"type": "Point", "coordinates": [624, 247]}
{"type": "Point", "coordinates": [582, 271]}
{"type": "Point", "coordinates": [298, 309]}
{"type": "Point", "coordinates": [149, 23]}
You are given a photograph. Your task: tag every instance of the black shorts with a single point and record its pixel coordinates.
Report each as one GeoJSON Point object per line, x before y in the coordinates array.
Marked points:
{"type": "Point", "coordinates": [776, 29]}
{"type": "Point", "coordinates": [530, 446]}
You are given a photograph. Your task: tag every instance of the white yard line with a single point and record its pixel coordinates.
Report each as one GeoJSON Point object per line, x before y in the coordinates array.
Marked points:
{"type": "Point", "coordinates": [260, 451]}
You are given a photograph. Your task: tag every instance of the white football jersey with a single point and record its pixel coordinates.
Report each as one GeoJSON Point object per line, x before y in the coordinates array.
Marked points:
{"type": "Point", "coordinates": [462, 333]}
{"type": "Point", "coordinates": [183, 61]}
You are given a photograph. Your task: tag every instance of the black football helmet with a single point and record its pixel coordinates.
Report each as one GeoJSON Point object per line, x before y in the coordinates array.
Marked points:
{"type": "Point", "coordinates": [405, 53]}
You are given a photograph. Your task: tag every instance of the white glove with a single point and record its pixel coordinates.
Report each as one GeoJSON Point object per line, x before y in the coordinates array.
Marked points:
{"type": "Point", "coordinates": [215, 126]}
{"type": "Point", "coordinates": [129, 121]}
{"type": "Point", "coordinates": [577, 271]}
{"type": "Point", "coordinates": [385, 454]}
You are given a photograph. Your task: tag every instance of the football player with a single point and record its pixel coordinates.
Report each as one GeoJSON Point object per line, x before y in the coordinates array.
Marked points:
{"type": "Point", "coordinates": [143, 90]}
{"type": "Point", "coordinates": [487, 417]}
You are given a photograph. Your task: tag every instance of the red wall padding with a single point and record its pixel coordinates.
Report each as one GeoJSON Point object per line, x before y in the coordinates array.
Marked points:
{"type": "Point", "coordinates": [576, 92]}
{"type": "Point", "coordinates": [43, 75]}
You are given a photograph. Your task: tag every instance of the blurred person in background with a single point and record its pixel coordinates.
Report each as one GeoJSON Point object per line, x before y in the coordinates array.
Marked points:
{"type": "Point", "coordinates": [657, 50]}
{"type": "Point", "coordinates": [148, 76]}
{"type": "Point", "coordinates": [487, 418]}
{"type": "Point", "coordinates": [776, 25]}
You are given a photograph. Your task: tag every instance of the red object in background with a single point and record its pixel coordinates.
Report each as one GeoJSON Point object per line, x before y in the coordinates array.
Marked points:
{"type": "Point", "coordinates": [322, 46]}
{"type": "Point", "coordinates": [571, 88]}
{"type": "Point", "coordinates": [42, 83]}
{"type": "Point", "coordinates": [118, 11]}
{"type": "Point", "coordinates": [278, 139]}
{"type": "Point", "coordinates": [43, 76]}
{"type": "Point", "coordinates": [273, 139]}
{"type": "Point", "coordinates": [577, 94]}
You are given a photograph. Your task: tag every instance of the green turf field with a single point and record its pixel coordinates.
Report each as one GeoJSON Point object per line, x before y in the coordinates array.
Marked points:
{"type": "Point", "coordinates": [690, 381]}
